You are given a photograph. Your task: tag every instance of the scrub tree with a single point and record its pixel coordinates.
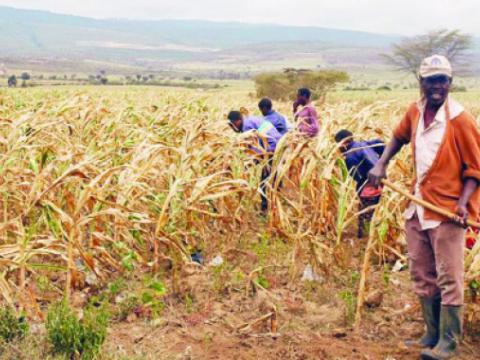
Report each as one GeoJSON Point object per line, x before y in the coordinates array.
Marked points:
{"type": "Point", "coordinates": [407, 54]}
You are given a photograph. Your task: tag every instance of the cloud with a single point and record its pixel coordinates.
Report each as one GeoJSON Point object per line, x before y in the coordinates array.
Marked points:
{"type": "Point", "coordinates": [401, 17]}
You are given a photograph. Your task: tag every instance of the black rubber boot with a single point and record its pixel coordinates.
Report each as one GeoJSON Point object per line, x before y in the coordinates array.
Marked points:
{"type": "Point", "coordinates": [450, 334]}
{"type": "Point", "coordinates": [431, 317]}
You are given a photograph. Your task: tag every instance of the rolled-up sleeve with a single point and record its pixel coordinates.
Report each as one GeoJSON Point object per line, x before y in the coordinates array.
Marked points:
{"type": "Point", "coordinates": [468, 142]}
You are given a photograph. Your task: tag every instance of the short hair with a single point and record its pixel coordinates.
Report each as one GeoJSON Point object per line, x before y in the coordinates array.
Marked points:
{"type": "Point", "coordinates": [342, 135]}
{"type": "Point", "coordinates": [305, 92]}
{"type": "Point", "coordinates": [265, 103]}
{"type": "Point", "coordinates": [234, 115]}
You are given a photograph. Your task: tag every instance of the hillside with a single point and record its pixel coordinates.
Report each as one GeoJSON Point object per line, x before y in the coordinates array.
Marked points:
{"type": "Point", "coordinates": [166, 43]}
{"type": "Point", "coordinates": [39, 40]}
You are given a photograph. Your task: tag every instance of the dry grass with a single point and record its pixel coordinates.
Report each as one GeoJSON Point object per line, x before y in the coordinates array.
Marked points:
{"type": "Point", "coordinates": [93, 182]}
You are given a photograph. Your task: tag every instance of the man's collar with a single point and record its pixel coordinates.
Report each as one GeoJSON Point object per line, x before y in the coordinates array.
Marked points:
{"type": "Point", "coordinates": [450, 107]}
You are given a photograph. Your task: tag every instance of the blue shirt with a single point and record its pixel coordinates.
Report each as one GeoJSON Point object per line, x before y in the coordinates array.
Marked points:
{"type": "Point", "coordinates": [277, 120]}
{"type": "Point", "coordinates": [265, 129]}
{"type": "Point", "coordinates": [361, 157]}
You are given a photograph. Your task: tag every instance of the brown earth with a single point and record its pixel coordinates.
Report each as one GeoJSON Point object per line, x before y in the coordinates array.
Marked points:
{"type": "Point", "coordinates": [310, 326]}
{"type": "Point", "coordinates": [255, 306]}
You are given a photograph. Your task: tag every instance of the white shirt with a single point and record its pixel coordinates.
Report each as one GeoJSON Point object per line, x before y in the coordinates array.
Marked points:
{"type": "Point", "coordinates": [427, 144]}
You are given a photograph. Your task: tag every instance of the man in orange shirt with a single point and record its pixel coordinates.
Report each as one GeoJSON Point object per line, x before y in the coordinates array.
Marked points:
{"type": "Point", "coordinates": [446, 152]}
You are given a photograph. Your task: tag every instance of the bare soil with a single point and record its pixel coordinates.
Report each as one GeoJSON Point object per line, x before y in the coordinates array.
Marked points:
{"type": "Point", "coordinates": [311, 325]}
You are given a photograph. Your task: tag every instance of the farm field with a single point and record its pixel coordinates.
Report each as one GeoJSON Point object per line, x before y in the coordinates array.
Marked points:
{"type": "Point", "coordinates": [106, 192]}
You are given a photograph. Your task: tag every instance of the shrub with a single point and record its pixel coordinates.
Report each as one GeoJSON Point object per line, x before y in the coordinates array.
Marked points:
{"type": "Point", "coordinates": [384, 88]}
{"type": "Point", "coordinates": [458, 88]}
{"type": "Point", "coordinates": [11, 326]}
{"type": "Point", "coordinates": [359, 88]}
{"type": "Point", "coordinates": [284, 85]}
{"type": "Point", "coordinates": [73, 337]}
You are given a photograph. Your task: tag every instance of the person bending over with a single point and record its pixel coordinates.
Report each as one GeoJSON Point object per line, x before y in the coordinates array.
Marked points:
{"type": "Point", "coordinates": [360, 158]}
{"type": "Point", "coordinates": [268, 137]}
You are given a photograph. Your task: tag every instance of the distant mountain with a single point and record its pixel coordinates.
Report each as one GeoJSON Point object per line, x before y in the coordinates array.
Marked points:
{"type": "Point", "coordinates": [172, 44]}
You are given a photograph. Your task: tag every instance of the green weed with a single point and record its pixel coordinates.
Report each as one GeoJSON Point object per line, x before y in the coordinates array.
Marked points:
{"type": "Point", "coordinates": [76, 338]}
{"type": "Point", "coordinates": [12, 326]}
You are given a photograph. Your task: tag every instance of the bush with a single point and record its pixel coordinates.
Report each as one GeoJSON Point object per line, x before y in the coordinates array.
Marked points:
{"type": "Point", "coordinates": [11, 326]}
{"type": "Point", "coordinates": [384, 88]}
{"type": "Point", "coordinates": [73, 337]}
{"type": "Point", "coordinates": [458, 88]}
{"type": "Point", "coordinates": [358, 88]}
{"type": "Point", "coordinates": [284, 85]}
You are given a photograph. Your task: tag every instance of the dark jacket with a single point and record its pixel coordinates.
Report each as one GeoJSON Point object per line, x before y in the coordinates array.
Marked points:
{"type": "Point", "coordinates": [361, 157]}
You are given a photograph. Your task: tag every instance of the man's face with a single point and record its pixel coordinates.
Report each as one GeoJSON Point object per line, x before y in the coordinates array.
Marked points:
{"type": "Point", "coordinates": [237, 125]}
{"type": "Point", "coordinates": [436, 89]}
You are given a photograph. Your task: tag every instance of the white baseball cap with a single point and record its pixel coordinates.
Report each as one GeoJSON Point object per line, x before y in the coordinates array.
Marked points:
{"type": "Point", "coordinates": [435, 65]}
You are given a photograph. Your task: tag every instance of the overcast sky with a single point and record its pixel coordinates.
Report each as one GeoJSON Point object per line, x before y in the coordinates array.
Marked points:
{"type": "Point", "coordinates": [384, 16]}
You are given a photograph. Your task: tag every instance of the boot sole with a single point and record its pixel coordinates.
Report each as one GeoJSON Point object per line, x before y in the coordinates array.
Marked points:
{"type": "Point", "coordinates": [427, 357]}
{"type": "Point", "coordinates": [415, 345]}
{"type": "Point", "coordinates": [433, 357]}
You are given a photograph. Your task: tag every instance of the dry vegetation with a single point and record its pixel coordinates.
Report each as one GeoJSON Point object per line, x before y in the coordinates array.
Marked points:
{"type": "Point", "coordinates": [105, 194]}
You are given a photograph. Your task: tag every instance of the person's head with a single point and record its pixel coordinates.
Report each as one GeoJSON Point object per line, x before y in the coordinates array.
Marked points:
{"type": "Point", "coordinates": [235, 119]}
{"type": "Point", "coordinates": [345, 139]}
{"type": "Point", "coordinates": [435, 76]}
{"type": "Point", "coordinates": [303, 96]}
{"type": "Point", "coordinates": [265, 105]}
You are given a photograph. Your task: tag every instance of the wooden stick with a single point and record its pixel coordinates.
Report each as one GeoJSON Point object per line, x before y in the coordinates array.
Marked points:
{"type": "Point", "coordinates": [248, 326]}
{"type": "Point", "coordinates": [426, 204]}
{"type": "Point", "coordinates": [371, 243]}
{"type": "Point", "coordinates": [363, 278]}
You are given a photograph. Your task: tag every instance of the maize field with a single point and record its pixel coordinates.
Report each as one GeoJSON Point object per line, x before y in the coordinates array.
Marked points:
{"type": "Point", "coordinates": [99, 183]}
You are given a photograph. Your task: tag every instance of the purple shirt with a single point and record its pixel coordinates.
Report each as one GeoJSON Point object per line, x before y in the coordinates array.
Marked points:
{"type": "Point", "coordinates": [308, 120]}
{"type": "Point", "coordinates": [278, 121]}
{"type": "Point", "coordinates": [265, 129]}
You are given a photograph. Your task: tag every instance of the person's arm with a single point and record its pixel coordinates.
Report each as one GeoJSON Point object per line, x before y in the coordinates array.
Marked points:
{"type": "Point", "coordinates": [353, 164]}
{"type": "Point", "coordinates": [401, 136]}
{"type": "Point", "coordinates": [470, 185]}
{"type": "Point", "coordinates": [314, 123]}
{"type": "Point", "coordinates": [379, 171]}
{"type": "Point", "coordinates": [468, 140]}
{"type": "Point", "coordinates": [272, 144]}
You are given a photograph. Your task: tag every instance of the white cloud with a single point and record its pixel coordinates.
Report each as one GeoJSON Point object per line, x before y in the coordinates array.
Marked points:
{"type": "Point", "coordinates": [383, 16]}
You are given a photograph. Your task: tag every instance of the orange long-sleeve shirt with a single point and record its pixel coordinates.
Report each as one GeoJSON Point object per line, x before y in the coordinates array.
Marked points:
{"type": "Point", "coordinates": [458, 158]}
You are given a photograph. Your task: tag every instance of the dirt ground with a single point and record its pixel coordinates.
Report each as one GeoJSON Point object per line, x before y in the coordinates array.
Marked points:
{"type": "Point", "coordinates": [311, 326]}
{"type": "Point", "coordinates": [257, 305]}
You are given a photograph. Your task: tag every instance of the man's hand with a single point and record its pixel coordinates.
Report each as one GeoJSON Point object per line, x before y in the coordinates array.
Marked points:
{"type": "Point", "coordinates": [461, 215]}
{"type": "Point", "coordinates": [470, 185]}
{"type": "Point", "coordinates": [376, 175]}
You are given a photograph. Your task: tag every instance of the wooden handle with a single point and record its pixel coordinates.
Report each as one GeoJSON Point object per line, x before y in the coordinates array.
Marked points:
{"type": "Point", "coordinates": [426, 204]}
